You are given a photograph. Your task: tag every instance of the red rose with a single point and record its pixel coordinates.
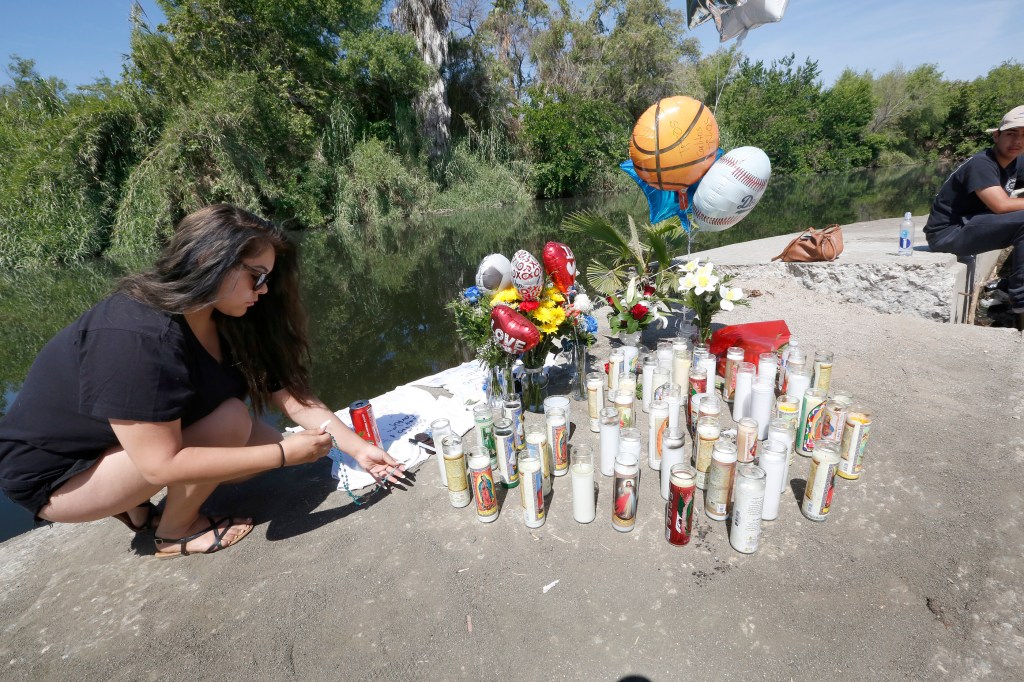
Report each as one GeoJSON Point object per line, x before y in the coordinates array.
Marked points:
{"type": "Point", "coordinates": [610, 301]}
{"type": "Point", "coordinates": [648, 291]}
{"type": "Point", "coordinates": [528, 306]}
{"type": "Point", "coordinates": [639, 311]}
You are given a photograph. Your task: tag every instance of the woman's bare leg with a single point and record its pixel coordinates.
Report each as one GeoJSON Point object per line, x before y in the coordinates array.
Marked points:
{"type": "Point", "coordinates": [115, 484]}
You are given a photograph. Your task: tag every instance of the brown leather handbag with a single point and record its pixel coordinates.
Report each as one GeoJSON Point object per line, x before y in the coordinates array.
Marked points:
{"type": "Point", "coordinates": [813, 246]}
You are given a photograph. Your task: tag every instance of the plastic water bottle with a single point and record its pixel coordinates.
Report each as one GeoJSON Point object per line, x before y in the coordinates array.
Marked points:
{"type": "Point", "coordinates": [906, 235]}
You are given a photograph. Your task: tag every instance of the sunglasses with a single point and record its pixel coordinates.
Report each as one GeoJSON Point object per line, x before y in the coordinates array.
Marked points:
{"type": "Point", "coordinates": [260, 277]}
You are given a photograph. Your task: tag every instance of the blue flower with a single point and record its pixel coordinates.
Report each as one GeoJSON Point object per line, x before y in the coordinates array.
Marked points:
{"type": "Point", "coordinates": [591, 323]}
{"type": "Point", "coordinates": [472, 294]}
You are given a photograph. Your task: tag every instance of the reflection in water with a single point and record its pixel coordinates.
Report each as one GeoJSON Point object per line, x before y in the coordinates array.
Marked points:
{"type": "Point", "coordinates": [376, 299]}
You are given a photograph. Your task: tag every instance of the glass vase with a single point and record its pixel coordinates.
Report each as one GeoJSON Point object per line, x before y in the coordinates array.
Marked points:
{"type": "Point", "coordinates": [534, 383]}
{"type": "Point", "coordinates": [499, 383]}
{"type": "Point", "coordinates": [578, 381]}
{"type": "Point", "coordinates": [630, 338]}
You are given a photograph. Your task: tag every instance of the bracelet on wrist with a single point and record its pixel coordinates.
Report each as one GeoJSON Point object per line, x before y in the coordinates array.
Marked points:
{"type": "Point", "coordinates": [283, 460]}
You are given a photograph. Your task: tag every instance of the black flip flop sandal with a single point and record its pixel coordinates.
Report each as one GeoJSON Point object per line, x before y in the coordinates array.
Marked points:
{"type": "Point", "coordinates": [218, 535]}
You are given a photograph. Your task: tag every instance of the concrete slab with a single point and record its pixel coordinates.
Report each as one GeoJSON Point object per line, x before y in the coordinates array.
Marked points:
{"type": "Point", "coordinates": [915, 574]}
{"type": "Point", "coordinates": [869, 271]}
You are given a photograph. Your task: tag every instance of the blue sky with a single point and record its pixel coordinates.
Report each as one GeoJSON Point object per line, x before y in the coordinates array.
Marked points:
{"type": "Point", "coordinates": [80, 40]}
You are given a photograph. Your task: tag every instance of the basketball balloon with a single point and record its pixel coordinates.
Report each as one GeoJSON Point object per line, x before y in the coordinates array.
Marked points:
{"type": "Point", "coordinates": [731, 189]}
{"type": "Point", "coordinates": [674, 143]}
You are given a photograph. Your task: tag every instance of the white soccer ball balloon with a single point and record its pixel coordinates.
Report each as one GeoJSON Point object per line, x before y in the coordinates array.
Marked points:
{"type": "Point", "coordinates": [731, 188]}
{"type": "Point", "coordinates": [494, 273]}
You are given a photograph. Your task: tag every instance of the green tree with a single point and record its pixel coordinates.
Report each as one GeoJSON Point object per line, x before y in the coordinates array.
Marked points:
{"type": "Point", "coordinates": [843, 112]}
{"type": "Point", "coordinates": [572, 141]}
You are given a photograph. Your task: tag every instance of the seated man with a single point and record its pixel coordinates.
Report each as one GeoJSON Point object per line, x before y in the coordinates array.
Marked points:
{"type": "Point", "coordinates": [974, 212]}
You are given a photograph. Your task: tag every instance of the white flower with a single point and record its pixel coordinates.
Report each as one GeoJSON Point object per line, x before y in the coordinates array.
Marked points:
{"type": "Point", "coordinates": [706, 269]}
{"type": "Point", "coordinates": [704, 281]}
{"type": "Point", "coordinates": [729, 295]}
{"type": "Point", "coordinates": [688, 281]}
{"type": "Point", "coordinates": [691, 265]}
{"type": "Point", "coordinates": [582, 303]}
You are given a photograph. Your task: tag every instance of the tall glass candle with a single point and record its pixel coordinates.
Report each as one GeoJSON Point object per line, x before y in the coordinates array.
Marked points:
{"type": "Point", "coordinates": [558, 439]}
{"type": "Point", "coordinates": [680, 365]}
{"type": "Point", "coordinates": [615, 362]}
{"type": "Point", "coordinates": [537, 443]}
{"type": "Point", "coordinates": [650, 362]}
{"type": "Point", "coordinates": [773, 460]}
{"type": "Point", "coordinates": [561, 402]}
{"type": "Point", "coordinates": [800, 377]}
{"type": "Point", "coordinates": [768, 367]}
{"type": "Point", "coordinates": [708, 431]}
{"type": "Point", "coordinates": [481, 478]}
{"type": "Point", "coordinates": [762, 400]}
{"type": "Point", "coordinates": [661, 384]}
{"type": "Point", "coordinates": [664, 354]}
{"type": "Point", "coordinates": [733, 358]}
{"type": "Point", "coordinates": [623, 402]}
{"type": "Point", "coordinates": [531, 489]}
{"type": "Point", "coordinates": [710, 363]}
{"type": "Point", "coordinates": [744, 384]}
{"type": "Point", "coordinates": [657, 425]}
{"type": "Point", "coordinates": [609, 439]}
{"type": "Point", "coordinates": [673, 452]}
{"type": "Point", "coordinates": [675, 402]}
{"type": "Point", "coordinates": [583, 495]}
{"type": "Point", "coordinates": [717, 500]}
{"type": "Point", "coordinates": [625, 489]}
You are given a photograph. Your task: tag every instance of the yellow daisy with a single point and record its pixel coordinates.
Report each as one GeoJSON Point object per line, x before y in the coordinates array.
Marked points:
{"type": "Point", "coordinates": [509, 295]}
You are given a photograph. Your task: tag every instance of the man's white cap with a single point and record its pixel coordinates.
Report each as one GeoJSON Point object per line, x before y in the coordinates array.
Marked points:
{"type": "Point", "coordinates": [1014, 119]}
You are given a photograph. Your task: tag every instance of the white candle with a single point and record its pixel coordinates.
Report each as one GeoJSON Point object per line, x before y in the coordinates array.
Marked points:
{"type": "Point", "coordinates": [681, 366]}
{"type": "Point", "coordinates": [615, 361]}
{"type": "Point", "coordinates": [657, 425]}
{"type": "Point", "coordinates": [761, 400]}
{"type": "Point", "coordinates": [798, 383]}
{"type": "Point", "coordinates": [609, 440]}
{"type": "Point", "coordinates": [627, 384]}
{"type": "Point", "coordinates": [710, 363]}
{"type": "Point", "coordinates": [744, 382]}
{"type": "Point", "coordinates": [767, 366]}
{"type": "Point", "coordinates": [537, 445]}
{"type": "Point", "coordinates": [664, 354]}
{"type": "Point", "coordinates": [647, 392]}
{"type": "Point", "coordinates": [675, 401]}
{"type": "Point", "coordinates": [629, 355]}
{"type": "Point", "coordinates": [584, 501]}
{"type": "Point", "coordinates": [672, 453]}
{"type": "Point", "coordinates": [773, 460]}
{"type": "Point", "coordinates": [561, 402]}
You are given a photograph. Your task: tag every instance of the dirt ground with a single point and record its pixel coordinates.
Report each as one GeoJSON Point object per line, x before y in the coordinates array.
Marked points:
{"type": "Point", "coordinates": [916, 573]}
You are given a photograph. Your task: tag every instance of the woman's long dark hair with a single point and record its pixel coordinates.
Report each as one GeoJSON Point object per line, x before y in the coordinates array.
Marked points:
{"type": "Point", "coordinates": [269, 343]}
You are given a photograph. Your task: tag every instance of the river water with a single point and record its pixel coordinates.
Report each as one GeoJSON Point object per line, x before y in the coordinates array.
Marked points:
{"type": "Point", "coordinates": [376, 297]}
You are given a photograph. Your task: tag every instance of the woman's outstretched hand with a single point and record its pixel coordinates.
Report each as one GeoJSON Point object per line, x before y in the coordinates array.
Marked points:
{"type": "Point", "coordinates": [380, 465]}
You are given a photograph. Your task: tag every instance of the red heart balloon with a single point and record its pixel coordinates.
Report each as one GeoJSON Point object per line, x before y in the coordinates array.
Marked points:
{"type": "Point", "coordinates": [513, 332]}
{"type": "Point", "coordinates": [560, 264]}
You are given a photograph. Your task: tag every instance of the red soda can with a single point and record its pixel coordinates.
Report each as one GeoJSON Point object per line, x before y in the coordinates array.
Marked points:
{"type": "Point", "coordinates": [679, 510]}
{"type": "Point", "coordinates": [364, 423]}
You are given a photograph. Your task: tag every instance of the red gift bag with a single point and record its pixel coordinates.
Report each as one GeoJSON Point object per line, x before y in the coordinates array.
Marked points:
{"type": "Point", "coordinates": [754, 338]}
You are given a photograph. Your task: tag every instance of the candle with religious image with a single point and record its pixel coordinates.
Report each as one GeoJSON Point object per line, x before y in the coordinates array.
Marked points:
{"type": "Point", "coordinates": [595, 399]}
{"type": "Point", "coordinates": [482, 480]}
{"type": "Point", "coordinates": [657, 425]}
{"type": "Point", "coordinates": [537, 443]}
{"type": "Point", "coordinates": [625, 487]}
{"type": "Point", "coordinates": [615, 362]}
{"type": "Point", "coordinates": [733, 358]}
{"type": "Point", "coordinates": [531, 489]}
{"type": "Point", "coordinates": [558, 439]}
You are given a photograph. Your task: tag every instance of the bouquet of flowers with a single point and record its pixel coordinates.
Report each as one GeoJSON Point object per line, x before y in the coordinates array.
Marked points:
{"type": "Point", "coordinates": [706, 293]}
{"type": "Point", "coordinates": [561, 320]}
{"type": "Point", "coordinates": [639, 306]}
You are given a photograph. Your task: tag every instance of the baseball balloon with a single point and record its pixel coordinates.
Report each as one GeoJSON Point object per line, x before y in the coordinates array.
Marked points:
{"type": "Point", "coordinates": [494, 273]}
{"type": "Point", "coordinates": [560, 264]}
{"type": "Point", "coordinates": [674, 143]}
{"type": "Point", "coordinates": [513, 333]}
{"type": "Point", "coordinates": [731, 188]}
{"type": "Point", "coordinates": [527, 275]}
